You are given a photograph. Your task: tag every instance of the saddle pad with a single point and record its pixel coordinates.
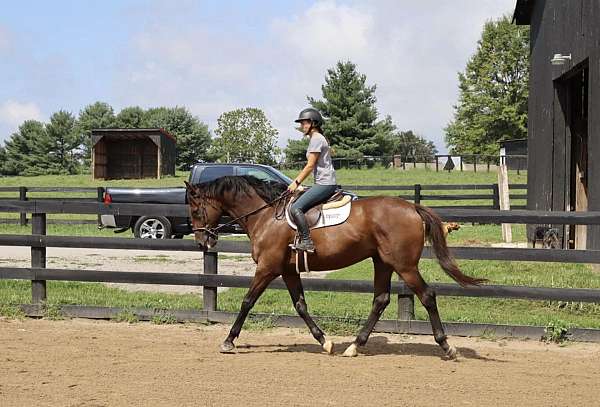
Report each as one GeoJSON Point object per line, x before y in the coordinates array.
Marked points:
{"type": "Point", "coordinates": [329, 217]}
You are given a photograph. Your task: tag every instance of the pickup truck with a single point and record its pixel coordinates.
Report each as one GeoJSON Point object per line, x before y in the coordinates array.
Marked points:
{"type": "Point", "coordinates": [161, 227]}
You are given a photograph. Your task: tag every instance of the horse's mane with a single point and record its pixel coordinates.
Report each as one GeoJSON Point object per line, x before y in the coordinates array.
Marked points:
{"type": "Point", "coordinates": [239, 186]}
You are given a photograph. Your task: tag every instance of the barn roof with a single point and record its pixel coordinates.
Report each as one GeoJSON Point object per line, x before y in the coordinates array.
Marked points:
{"type": "Point", "coordinates": [523, 10]}
{"type": "Point", "coordinates": [131, 132]}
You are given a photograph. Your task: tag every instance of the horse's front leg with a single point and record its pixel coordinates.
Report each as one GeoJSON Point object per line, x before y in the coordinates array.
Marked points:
{"type": "Point", "coordinates": [260, 282]}
{"type": "Point", "coordinates": [294, 286]}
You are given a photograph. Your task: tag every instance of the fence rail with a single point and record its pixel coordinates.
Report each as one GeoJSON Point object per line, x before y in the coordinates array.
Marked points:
{"type": "Point", "coordinates": [210, 280]}
{"type": "Point", "coordinates": [416, 196]}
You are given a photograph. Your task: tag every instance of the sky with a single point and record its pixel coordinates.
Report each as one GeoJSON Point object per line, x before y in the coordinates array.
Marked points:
{"type": "Point", "coordinates": [215, 56]}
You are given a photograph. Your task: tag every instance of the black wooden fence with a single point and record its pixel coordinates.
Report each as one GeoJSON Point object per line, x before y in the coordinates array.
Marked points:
{"type": "Point", "coordinates": [210, 280]}
{"type": "Point", "coordinates": [416, 193]}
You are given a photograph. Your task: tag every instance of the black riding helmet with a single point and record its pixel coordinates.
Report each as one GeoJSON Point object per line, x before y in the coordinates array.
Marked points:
{"type": "Point", "coordinates": [311, 114]}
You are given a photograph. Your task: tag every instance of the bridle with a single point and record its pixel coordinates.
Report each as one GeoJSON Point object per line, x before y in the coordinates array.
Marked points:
{"type": "Point", "coordinates": [214, 232]}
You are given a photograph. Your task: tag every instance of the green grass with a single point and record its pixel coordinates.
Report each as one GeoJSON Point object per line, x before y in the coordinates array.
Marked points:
{"type": "Point", "coordinates": [352, 307]}
{"type": "Point", "coordinates": [79, 293]}
{"type": "Point", "coordinates": [390, 176]}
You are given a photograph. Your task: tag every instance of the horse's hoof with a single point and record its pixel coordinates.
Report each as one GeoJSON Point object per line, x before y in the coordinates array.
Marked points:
{"type": "Point", "coordinates": [351, 351]}
{"type": "Point", "coordinates": [227, 347]}
{"type": "Point", "coordinates": [451, 353]}
{"type": "Point", "coordinates": [328, 347]}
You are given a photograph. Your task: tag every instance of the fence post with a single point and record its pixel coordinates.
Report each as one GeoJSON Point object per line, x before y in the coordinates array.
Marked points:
{"type": "Point", "coordinates": [38, 258]}
{"type": "Point", "coordinates": [406, 307]}
{"type": "Point", "coordinates": [209, 294]}
{"type": "Point", "coordinates": [417, 193]}
{"type": "Point", "coordinates": [496, 194]}
{"type": "Point", "coordinates": [437, 164]}
{"type": "Point", "coordinates": [475, 164]}
{"type": "Point", "coordinates": [100, 200]}
{"type": "Point", "coordinates": [23, 197]}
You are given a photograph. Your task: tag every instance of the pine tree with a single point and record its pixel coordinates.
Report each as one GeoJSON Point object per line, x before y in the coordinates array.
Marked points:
{"type": "Point", "coordinates": [348, 106]}
{"type": "Point", "coordinates": [492, 104]}
{"type": "Point", "coordinates": [2, 161]}
{"type": "Point", "coordinates": [27, 150]}
{"type": "Point", "coordinates": [65, 144]}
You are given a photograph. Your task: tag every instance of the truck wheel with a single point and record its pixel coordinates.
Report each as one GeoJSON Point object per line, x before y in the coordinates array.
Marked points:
{"type": "Point", "coordinates": [152, 227]}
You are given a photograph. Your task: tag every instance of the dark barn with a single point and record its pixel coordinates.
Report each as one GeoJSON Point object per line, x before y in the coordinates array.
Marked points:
{"type": "Point", "coordinates": [564, 111]}
{"type": "Point", "coordinates": [132, 153]}
{"type": "Point", "coordinates": [516, 153]}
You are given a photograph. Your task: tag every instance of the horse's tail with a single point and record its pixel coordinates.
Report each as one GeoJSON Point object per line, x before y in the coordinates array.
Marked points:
{"type": "Point", "coordinates": [435, 233]}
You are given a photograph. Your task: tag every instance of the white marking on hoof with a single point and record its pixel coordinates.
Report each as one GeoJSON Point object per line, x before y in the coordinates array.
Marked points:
{"type": "Point", "coordinates": [351, 351]}
{"type": "Point", "coordinates": [227, 347]}
{"type": "Point", "coordinates": [328, 347]}
{"type": "Point", "coordinates": [451, 354]}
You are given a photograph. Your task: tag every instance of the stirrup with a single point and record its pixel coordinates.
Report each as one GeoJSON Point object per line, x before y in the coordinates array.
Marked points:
{"type": "Point", "coordinates": [304, 246]}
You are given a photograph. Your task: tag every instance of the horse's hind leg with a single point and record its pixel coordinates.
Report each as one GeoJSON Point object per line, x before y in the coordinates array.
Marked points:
{"type": "Point", "coordinates": [426, 295]}
{"type": "Point", "coordinates": [294, 286]}
{"type": "Point", "coordinates": [381, 299]}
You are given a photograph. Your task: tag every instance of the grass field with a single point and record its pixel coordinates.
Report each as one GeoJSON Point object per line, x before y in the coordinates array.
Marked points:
{"type": "Point", "coordinates": [374, 176]}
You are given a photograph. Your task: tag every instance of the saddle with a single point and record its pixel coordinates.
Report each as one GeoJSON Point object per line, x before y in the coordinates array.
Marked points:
{"type": "Point", "coordinates": [333, 212]}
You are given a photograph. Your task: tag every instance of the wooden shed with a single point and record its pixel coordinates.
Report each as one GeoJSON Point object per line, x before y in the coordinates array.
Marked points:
{"type": "Point", "coordinates": [564, 111]}
{"type": "Point", "coordinates": [132, 153]}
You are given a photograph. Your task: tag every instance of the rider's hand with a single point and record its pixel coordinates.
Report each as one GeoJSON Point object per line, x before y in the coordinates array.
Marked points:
{"type": "Point", "coordinates": [292, 187]}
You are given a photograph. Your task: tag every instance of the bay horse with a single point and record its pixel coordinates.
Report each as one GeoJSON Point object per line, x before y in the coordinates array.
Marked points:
{"type": "Point", "coordinates": [389, 230]}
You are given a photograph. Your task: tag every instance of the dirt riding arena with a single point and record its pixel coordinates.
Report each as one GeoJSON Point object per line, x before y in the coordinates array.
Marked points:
{"type": "Point", "coordinates": [98, 363]}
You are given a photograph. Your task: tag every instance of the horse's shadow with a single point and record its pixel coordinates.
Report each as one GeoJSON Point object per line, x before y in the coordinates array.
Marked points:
{"type": "Point", "coordinates": [378, 345]}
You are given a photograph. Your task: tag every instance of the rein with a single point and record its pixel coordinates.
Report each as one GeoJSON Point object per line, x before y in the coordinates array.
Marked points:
{"type": "Point", "coordinates": [213, 232]}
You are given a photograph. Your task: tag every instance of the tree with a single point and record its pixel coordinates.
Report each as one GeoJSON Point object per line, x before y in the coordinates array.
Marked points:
{"type": "Point", "coordinates": [295, 150]}
{"type": "Point", "coordinates": [193, 137]}
{"type": "Point", "coordinates": [98, 115]}
{"type": "Point", "coordinates": [65, 143]}
{"type": "Point", "coordinates": [349, 106]}
{"type": "Point", "coordinates": [133, 117]}
{"type": "Point", "coordinates": [492, 103]}
{"type": "Point", "coordinates": [245, 135]}
{"type": "Point", "coordinates": [407, 144]}
{"type": "Point", "coordinates": [27, 150]}
{"type": "Point", "coordinates": [2, 160]}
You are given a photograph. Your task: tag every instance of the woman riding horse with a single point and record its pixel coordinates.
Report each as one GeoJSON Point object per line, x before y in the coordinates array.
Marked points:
{"type": "Point", "coordinates": [319, 163]}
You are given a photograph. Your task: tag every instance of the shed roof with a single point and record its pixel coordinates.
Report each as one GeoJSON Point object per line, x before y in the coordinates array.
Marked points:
{"type": "Point", "coordinates": [128, 133]}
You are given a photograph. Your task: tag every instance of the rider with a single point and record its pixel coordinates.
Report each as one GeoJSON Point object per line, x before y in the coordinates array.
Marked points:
{"type": "Point", "coordinates": [319, 163]}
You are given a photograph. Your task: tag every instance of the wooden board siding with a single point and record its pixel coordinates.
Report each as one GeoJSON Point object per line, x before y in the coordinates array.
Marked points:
{"type": "Point", "coordinates": [566, 27]}
{"type": "Point", "coordinates": [132, 153]}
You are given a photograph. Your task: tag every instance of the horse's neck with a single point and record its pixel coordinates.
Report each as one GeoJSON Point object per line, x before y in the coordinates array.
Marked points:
{"type": "Point", "coordinates": [237, 208]}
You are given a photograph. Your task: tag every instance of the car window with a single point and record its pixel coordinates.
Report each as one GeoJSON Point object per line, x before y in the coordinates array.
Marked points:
{"type": "Point", "coordinates": [213, 172]}
{"type": "Point", "coordinates": [258, 173]}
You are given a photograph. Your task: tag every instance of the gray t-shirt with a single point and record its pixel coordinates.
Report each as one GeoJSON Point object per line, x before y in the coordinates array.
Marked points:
{"type": "Point", "coordinates": [324, 173]}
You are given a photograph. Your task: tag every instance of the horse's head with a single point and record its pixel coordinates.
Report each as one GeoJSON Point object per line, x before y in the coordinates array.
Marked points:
{"type": "Point", "coordinates": [205, 213]}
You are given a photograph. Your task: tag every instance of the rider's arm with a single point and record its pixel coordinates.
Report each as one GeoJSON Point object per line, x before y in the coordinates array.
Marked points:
{"type": "Point", "coordinates": [308, 168]}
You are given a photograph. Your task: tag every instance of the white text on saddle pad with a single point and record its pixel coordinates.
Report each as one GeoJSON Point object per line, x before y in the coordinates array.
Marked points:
{"type": "Point", "coordinates": [329, 217]}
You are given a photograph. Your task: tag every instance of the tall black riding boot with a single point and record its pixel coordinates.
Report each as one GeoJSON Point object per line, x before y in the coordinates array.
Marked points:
{"type": "Point", "coordinates": [306, 244]}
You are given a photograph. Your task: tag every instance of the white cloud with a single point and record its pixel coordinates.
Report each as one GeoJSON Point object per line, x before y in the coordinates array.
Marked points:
{"type": "Point", "coordinates": [411, 50]}
{"type": "Point", "coordinates": [13, 113]}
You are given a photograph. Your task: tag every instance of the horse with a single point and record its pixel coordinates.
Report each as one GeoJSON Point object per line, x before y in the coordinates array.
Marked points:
{"type": "Point", "coordinates": [389, 230]}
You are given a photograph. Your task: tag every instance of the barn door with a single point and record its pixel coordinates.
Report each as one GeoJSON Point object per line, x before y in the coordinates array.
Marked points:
{"type": "Point", "coordinates": [577, 121]}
